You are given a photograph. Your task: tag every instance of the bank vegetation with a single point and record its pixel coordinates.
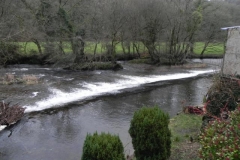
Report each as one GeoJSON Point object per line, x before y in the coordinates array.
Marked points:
{"type": "Point", "coordinates": [75, 33]}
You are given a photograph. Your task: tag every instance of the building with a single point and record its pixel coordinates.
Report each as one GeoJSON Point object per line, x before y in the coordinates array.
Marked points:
{"type": "Point", "coordinates": [231, 62]}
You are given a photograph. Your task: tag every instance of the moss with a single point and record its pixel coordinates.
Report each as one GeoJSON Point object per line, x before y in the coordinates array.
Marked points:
{"type": "Point", "coordinates": [96, 66]}
{"type": "Point", "coordinates": [141, 60]}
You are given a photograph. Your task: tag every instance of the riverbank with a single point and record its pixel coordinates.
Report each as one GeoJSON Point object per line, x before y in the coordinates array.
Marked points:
{"type": "Point", "coordinates": [185, 129]}
{"type": "Point", "coordinates": [99, 60]}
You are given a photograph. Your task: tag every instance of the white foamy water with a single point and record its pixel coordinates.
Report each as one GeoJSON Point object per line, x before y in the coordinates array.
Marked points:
{"type": "Point", "coordinates": [59, 98]}
{"type": "Point", "coordinates": [2, 127]}
{"type": "Point", "coordinates": [34, 94]}
{"type": "Point", "coordinates": [20, 69]}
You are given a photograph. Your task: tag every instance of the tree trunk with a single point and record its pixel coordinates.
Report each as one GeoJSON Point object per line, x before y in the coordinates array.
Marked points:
{"type": "Point", "coordinates": [61, 47]}
{"type": "Point", "coordinates": [78, 49]}
{"type": "Point", "coordinates": [95, 50]}
{"type": "Point", "coordinates": [38, 45]}
{"type": "Point", "coordinates": [204, 49]}
{"type": "Point", "coordinates": [123, 48]}
{"type": "Point", "coordinates": [137, 49]}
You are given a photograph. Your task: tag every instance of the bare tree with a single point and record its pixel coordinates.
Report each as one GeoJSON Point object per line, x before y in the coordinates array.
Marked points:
{"type": "Point", "coordinates": [215, 16]}
{"type": "Point", "coordinates": [114, 20]}
{"type": "Point", "coordinates": [184, 23]}
{"type": "Point", "coordinates": [167, 29]}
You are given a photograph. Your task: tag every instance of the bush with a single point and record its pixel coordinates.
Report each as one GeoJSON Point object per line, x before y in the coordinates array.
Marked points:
{"type": "Point", "coordinates": [10, 114]}
{"type": "Point", "coordinates": [102, 147]}
{"type": "Point", "coordinates": [222, 96]}
{"type": "Point", "coordinates": [8, 53]}
{"type": "Point", "coordinates": [220, 139]}
{"type": "Point", "coordinates": [150, 134]}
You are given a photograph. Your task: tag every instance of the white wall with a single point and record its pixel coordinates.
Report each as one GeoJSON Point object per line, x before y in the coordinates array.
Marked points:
{"type": "Point", "coordinates": [231, 64]}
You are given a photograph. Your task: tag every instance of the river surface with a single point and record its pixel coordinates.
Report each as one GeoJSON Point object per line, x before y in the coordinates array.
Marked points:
{"type": "Point", "coordinates": [66, 105]}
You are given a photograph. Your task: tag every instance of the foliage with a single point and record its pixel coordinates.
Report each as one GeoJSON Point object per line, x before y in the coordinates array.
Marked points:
{"type": "Point", "coordinates": [8, 52]}
{"type": "Point", "coordinates": [102, 147]}
{"type": "Point", "coordinates": [150, 134]}
{"type": "Point", "coordinates": [67, 27]}
{"type": "Point", "coordinates": [222, 96]}
{"type": "Point", "coordinates": [220, 139]}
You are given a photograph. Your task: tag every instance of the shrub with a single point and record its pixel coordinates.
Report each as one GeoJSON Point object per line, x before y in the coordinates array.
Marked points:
{"type": "Point", "coordinates": [222, 96]}
{"type": "Point", "coordinates": [220, 139]}
{"type": "Point", "coordinates": [102, 147]}
{"type": "Point", "coordinates": [8, 53]}
{"type": "Point", "coordinates": [150, 134]}
{"type": "Point", "coordinates": [10, 114]}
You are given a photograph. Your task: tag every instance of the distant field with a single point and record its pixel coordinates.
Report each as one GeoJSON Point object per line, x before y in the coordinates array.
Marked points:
{"type": "Point", "coordinates": [89, 47]}
{"type": "Point", "coordinates": [212, 49]}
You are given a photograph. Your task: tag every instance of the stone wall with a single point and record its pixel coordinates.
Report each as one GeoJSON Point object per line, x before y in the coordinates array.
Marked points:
{"type": "Point", "coordinates": [231, 65]}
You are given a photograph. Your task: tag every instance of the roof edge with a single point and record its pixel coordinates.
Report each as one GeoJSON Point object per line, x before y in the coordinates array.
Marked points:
{"type": "Point", "coordinates": [227, 28]}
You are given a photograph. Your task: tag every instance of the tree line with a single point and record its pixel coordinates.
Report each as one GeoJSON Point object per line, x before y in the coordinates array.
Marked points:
{"type": "Point", "coordinates": [167, 29]}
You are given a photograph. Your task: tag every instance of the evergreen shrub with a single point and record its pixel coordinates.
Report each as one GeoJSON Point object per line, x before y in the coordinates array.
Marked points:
{"type": "Point", "coordinates": [150, 134]}
{"type": "Point", "coordinates": [102, 146]}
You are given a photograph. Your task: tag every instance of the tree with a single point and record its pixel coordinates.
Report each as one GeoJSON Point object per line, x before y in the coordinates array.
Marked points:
{"type": "Point", "coordinates": [215, 16]}
{"type": "Point", "coordinates": [167, 30]}
{"type": "Point", "coordinates": [10, 29]}
{"type": "Point", "coordinates": [56, 21]}
{"type": "Point", "coordinates": [114, 20]}
{"type": "Point", "coordinates": [148, 22]}
{"type": "Point", "coordinates": [184, 21]}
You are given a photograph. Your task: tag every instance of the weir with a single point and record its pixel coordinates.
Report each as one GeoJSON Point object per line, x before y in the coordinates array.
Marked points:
{"type": "Point", "coordinates": [231, 64]}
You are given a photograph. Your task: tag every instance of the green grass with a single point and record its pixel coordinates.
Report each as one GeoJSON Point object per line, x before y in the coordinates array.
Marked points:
{"type": "Point", "coordinates": [27, 47]}
{"type": "Point", "coordinates": [212, 49]}
{"type": "Point", "coordinates": [183, 127]}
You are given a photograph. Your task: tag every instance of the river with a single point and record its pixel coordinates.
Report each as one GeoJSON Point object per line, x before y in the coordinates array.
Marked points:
{"type": "Point", "coordinates": [66, 105]}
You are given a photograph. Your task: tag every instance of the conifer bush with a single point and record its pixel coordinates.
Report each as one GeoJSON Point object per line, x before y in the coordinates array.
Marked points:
{"type": "Point", "coordinates": [150, 134]}
{"type": "Point", "coordinates": [102, 146]}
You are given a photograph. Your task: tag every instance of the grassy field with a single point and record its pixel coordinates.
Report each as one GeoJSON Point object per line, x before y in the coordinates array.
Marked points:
{"type": "Point", "coordinates": [28, 47]}
{"type": "Point", "coordinates": [212, 49]}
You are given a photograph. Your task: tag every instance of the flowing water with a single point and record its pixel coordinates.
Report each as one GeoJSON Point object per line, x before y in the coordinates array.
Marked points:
{"type": "Point", "coordinates": [66, 105]}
